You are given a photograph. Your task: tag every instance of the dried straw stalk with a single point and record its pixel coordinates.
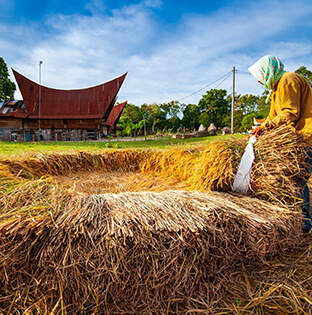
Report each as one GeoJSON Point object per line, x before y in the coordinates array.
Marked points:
{"type": "Point", "coordinates": [37, 164]}
{"type": "Point", "coordinates": [280, 286]}
{"type": "Point", "coordinates": [279, 164]}
{"type": "Point", "coordinates": [135, 252]}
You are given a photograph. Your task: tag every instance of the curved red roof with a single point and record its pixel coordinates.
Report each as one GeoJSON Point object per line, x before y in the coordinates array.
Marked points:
{"type": "Point", "coordinates": [115, 114]}
{"type": "Point", "coordinates": [90, 103]}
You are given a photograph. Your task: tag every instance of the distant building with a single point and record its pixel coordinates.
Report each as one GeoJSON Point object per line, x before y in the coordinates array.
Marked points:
{"type": "Point", "coordinates": [111, 123]}
{"type": "Point", "coordinates": [61, 114]}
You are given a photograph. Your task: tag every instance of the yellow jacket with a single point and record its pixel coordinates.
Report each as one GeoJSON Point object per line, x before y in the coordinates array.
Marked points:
{"type": "Point", "coordinates": [291, 104]}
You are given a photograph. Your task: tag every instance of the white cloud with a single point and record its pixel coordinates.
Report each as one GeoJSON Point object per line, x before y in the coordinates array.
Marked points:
{"type": "Point", "coordinates": [164, 62]}
{"type": "Point", "coordinates": [156, 4]}
{"type": "Point", "coordinates": [96, 6]}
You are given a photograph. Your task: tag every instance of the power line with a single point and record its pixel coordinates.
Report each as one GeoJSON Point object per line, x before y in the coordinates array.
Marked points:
{"type": "Point", "coordinates": [224, 79]}
{"type": "Point", "coordinates": [243, 72]}
{"type": "Point", "coordinates": [226, 75]}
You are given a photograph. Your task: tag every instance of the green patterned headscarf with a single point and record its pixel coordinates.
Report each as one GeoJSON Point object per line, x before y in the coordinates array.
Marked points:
{"type": "Point", "coordinates": [268, 70]}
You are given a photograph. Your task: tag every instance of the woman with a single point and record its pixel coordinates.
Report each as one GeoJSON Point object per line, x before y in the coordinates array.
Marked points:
{"type": "Point", "coordinates": [291, 104]}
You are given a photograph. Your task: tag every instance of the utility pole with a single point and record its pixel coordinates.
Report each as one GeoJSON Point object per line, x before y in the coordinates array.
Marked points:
{"type": "Point", "coordinates": [233, 101]}
{"type": "Point", "coordinates": [40, 63]}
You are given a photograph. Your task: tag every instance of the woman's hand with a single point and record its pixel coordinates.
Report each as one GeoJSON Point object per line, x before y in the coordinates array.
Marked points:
{"type": "Point", "coordinates": [257, 131]}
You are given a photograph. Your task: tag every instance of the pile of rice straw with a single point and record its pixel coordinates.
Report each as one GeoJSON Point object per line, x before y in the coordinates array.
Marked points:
{"type": "Point", "coordinates": [134, 252]}
{"type": "Point", "coordinates": [279, 163]}
{"type": "Point", "coordinates": [143, 252]}
{"type": "Point", "coordinates": [37, 164]}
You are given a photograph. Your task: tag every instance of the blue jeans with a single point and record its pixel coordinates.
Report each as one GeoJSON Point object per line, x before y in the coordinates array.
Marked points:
{"type": "Point", "coordinates": [307, 225]}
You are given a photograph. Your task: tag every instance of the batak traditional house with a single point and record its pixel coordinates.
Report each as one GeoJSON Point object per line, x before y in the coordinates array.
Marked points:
{"type": "Point", "coordinates": [61, 114]}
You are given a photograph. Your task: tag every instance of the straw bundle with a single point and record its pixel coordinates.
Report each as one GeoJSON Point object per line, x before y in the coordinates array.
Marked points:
{"type": "Point", "coordinates": [131, 252]}
{"type": "Point", "coordinates": [209, 169]}
{"type": "Point", "coordinates": [279, 164]}
{"type": "Point", "coordinates": [37, 165]}
{"type": "Point", "coordinates": [116, 182]}
{"type": "Point", "coordinates": [134, 252]}
{"type": "Point", "coordinates": [280, 286]}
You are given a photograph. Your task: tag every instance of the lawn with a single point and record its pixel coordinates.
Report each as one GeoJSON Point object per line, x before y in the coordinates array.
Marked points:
{"type": "Point", "coordinates": [15, 148]}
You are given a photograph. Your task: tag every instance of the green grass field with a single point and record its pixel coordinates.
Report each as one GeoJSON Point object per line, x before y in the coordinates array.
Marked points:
{"type": "Point", "coordinates": [15, 148]}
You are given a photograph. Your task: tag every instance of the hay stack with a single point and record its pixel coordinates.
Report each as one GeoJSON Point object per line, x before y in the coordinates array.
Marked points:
{"type": "Point", "coordinates": [37, 164]}
{"type": "Point", "coordinates": [280, 162]}
{"type": "Point", "coordinates": [279, 165]}
{"type": "Point", "coordinates": [64, 251]}
{"type": "Point", "coordinates": [133, 252]}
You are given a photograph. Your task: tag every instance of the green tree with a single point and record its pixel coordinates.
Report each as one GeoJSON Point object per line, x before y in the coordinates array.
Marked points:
{"type": "Point", "coordinates": [131, 113]}
{"type": "Point", "coordinates": [155, 115]}
{"type": "Point", "coordinates": [7, 87]}
{"type": "Point", "coordinates": [172, 109]}
{"type": "Point", "coordinates": [214, 107]}
{"type": "Point", "coordinates": [171, 112]}
{"type": "Point", "coordinates": [244, 106]}
{"type": "Point", "coordinates": [246, 103]}
{"type": "Point", "coordinates": [141, 126]}
{"type": "Point", "coordinates": [263, 108]}
{"type": "Point", "coordinates": [305, 73]}
{"type": "Point", "coordinates": [248, 121]}
{"type": "Point", "coordinates": [190, 116]}
{"type": "Point", "coordinates": [259, 109]}
{"type": "Point", "coordinates": [129, 119]}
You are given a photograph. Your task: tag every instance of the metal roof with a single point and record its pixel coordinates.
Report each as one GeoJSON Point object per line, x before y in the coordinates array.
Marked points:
{"type": "Point", "coordinates": [90, 103]}
{"type": "Point", "coordinates": [13, 109]}
{"type": "Point", "coordinates": [115, 114]}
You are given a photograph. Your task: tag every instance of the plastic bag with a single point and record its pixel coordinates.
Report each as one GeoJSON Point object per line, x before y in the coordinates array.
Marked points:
{"type": "Point", "coordinates": [242, 178]}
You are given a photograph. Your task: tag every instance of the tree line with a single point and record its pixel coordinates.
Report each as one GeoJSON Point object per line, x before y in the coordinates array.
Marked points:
{"type": "Point", "coordinates": [214, 107]}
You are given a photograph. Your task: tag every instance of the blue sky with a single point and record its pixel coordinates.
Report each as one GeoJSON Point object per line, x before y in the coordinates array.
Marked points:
{"type": "Point", "coordinates": [170, 49]}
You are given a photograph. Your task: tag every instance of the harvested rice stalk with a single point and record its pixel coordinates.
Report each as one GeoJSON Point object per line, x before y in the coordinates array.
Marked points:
{"type": "Point", "coordinates": [280, 286]}
{"type": "Point", "coordinates": [134, 252]}
{"type": "Point", "coordinates": [143, 252]}
{"type": "Point", "coordinates": [37, 165]}
{"type": "Point", "coordinates": [116, 182]}
{"type": "Point", "coordinates": [280, 163]}
{"type": "Point", "coordinates": [210, 169]}
{"type": "Point", "coordinates": [215, 167]}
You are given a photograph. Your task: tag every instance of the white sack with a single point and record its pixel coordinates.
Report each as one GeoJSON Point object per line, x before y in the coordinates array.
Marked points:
{"type": "Point", "coordinates": [242, 178]}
